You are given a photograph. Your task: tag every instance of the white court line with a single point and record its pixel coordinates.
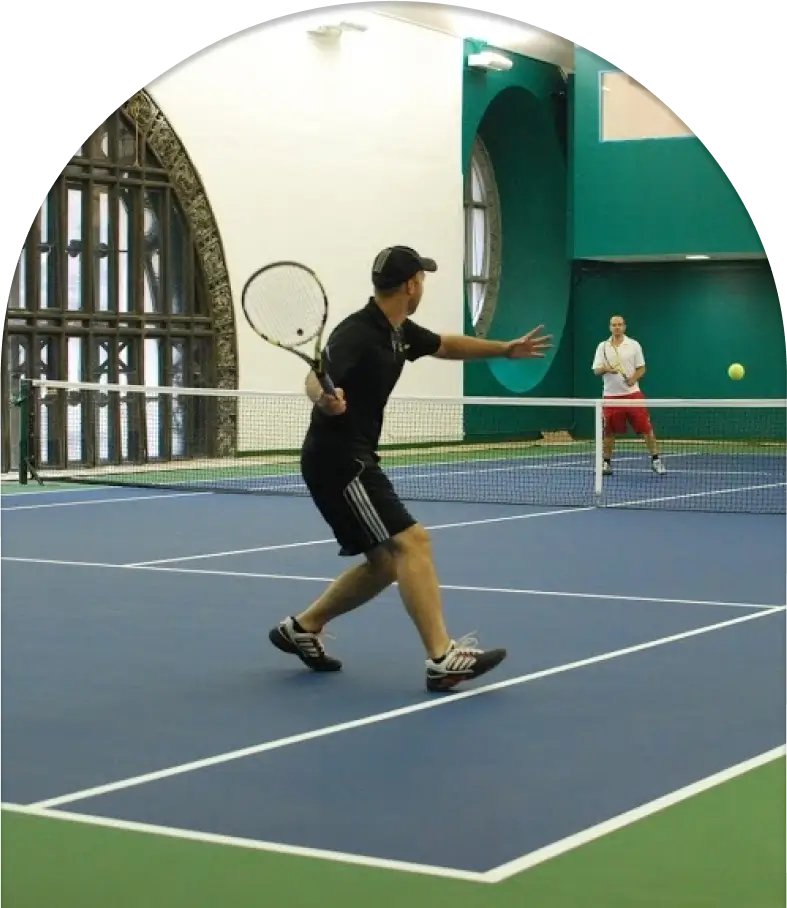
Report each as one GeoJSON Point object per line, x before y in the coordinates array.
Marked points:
{"type": "Point", "coordinates": [495, 875]}
{"type": "Point", "coordinates": [431, 703]}
{"type": "Point", "coordinates": [519, 865]}
{"type": "Point", "coordinates": [76, 489]}
{"type": "Point", "coordinates": [551, 461]}
{"type": "Point", "coordinates": [546, 467]}
{"type": "Point", "coordinates": [554, 461]}
{"type": "Point", "coordinates": [463, 523]}
{"type": "Point", "coordinates": [298, 545]}
{"type": "Point", "coordinates": [275, 847]}
{"type": "Point", "coordinates": [608, 596]}
{"type": "Point", "coordinates": [403, 473]}
{"type": "Point", "coordinates": [252, 575]}
{"type": "Point", "coordinates": [74, 504]}
{"type": "Point", "coordinates": [769, 485]}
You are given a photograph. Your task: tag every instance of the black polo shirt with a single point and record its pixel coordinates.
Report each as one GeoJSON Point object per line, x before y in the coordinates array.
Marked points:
{"type": "Point", "coordinates": [364, 357]}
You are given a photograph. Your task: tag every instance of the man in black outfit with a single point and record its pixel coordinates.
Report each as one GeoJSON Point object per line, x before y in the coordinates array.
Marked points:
{"type": "Point", "coordinates": [364, 357]}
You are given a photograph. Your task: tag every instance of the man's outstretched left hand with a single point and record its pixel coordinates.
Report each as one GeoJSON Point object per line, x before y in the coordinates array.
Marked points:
{"type": "Point", "coordinates": [532, 345]}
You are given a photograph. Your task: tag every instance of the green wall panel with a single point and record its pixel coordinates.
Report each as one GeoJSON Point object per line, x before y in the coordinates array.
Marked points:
{"type": "Point", "coordinates": [692, 319]}
{"type": "Point", "coordinates": [650, 196]}
{"type": "Point", "coordinates": [517, 115]}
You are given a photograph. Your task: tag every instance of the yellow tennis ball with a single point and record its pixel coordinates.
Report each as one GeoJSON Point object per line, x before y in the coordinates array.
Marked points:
{"type": "Point", "coordinates": [736, 372]}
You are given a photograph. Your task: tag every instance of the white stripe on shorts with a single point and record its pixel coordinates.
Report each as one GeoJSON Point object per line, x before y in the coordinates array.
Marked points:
{"type": "Point", "coordinates": [361, 505]}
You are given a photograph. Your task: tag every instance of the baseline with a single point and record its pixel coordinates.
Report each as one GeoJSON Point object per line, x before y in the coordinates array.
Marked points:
{"type": "Point", "coordinates": [254, 844]}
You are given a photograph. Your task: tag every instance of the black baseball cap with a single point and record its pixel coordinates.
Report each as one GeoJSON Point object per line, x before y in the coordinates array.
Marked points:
{"type": "Point", "coordinates": [397, 264]}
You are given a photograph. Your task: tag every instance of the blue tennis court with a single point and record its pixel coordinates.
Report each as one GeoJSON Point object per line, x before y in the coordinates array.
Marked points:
{"type": "Point", "coordinates": [646, 654]}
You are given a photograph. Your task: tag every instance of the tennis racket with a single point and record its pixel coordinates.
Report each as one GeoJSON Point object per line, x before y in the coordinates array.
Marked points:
{"type": "Point", "coordinates": [286, 304]}
{"type": "Point", "coordinates": [617, 365]}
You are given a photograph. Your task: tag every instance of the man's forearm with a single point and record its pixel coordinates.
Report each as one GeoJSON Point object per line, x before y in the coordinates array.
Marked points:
{"type": "Point", "coordinates": [458, 346]}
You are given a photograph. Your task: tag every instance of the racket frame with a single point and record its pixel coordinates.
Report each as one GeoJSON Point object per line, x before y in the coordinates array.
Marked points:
{"type": "Point", "coordinates": [316, 360]}
{"type": "Point", "coordinates": [617, 367]}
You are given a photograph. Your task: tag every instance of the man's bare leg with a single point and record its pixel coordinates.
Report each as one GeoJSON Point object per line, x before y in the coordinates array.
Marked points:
{"type": "Point", "coordinates": [449, 663]}
{"type": "Point", "coordinates": [608, 445]}
{"type": "Point", "coordinates": [420, 588]}
{"type": "Point", "coordinates": [300, 636]}
{"type": "Point", "coordinates": [408, 558]}
{"type": "Point", "coordinates": [656, 463]}
{"type": "Point", "coordinates": [652, 444]}
{"type": "Point", "coordinates": [350, 590]}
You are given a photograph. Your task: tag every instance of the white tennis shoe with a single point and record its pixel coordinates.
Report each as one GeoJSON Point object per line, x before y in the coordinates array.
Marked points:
{"type": "Point", "coordinates": [464, 661]}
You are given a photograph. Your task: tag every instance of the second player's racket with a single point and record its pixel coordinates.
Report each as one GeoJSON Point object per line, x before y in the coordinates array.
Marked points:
{"type": "Point", "coordinates": [617, 365]}
{"type": "Point", "coordinates": [286, 304]}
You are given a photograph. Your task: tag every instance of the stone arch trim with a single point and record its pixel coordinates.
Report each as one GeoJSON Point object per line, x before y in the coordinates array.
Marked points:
{"type": "Point", "coordinates": [160, 136]}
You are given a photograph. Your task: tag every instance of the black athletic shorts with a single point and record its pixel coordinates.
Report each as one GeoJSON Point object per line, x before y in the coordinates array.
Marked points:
{"type": "Point", "coordinates": [356, 500]}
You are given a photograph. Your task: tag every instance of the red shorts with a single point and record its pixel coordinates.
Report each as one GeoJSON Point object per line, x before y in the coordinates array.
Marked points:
{"type": "Point", "coordinates": [615, 418]}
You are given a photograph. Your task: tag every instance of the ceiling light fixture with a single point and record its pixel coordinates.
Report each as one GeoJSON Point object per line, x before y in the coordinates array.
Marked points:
{"type": "Point", "coordinates": [489, 59]}
{"type": "Point", "coordinates": [335, 29]}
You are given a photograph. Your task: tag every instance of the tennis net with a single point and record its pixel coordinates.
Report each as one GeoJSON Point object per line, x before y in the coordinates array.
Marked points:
{"type": "Point", "coordinates": [720, 455]}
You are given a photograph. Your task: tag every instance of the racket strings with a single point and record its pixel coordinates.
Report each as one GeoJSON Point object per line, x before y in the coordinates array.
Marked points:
{"type": "Point", "coordinates": [286, 305]}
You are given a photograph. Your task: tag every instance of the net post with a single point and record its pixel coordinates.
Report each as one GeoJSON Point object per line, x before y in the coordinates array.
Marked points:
{"type": "Point", "coordinates": [23, 403]}
{"type": "Point", "coordinates": [27, 432]}
{"type": "Point", "coordinates": [598, 450]}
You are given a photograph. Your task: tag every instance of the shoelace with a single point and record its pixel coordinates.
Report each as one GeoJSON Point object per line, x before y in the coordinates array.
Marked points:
{"type": "Point", "coordinates": [464, 646]}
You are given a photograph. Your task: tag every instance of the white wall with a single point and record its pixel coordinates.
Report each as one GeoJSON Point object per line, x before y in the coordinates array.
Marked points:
{"type": "Point", "coordinates": [326, 154]}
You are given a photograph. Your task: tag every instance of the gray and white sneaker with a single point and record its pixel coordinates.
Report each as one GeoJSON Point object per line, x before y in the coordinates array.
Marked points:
{"type": "Point", "coordinates": [657, 466]}
{"type": "Point", "coordinates": [306, 646]}
{"type": "Point", "coordinates": [463, 662]}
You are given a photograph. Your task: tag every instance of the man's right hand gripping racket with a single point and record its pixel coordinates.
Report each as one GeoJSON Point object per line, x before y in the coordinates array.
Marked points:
{"type": "Point", "coordinates": [286, 304]}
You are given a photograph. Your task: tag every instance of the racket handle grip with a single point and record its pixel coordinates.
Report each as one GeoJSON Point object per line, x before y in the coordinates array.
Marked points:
{"type": "Point", "coordinates": [326, 383]}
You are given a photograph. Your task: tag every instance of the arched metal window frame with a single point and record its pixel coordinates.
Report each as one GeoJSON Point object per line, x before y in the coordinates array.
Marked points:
{"type": "Point", "coordinates": [486, 278]}
{"type": "Point", "coordinates": [166, 160]}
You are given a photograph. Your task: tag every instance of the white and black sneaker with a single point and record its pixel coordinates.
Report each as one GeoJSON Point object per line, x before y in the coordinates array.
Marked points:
{"type": "Point", "coordinates": [308, 647]}
{"type": "Point", "coordinates": [463, 662]}
{"type": "Point", "coordinates": [657, 465]}
{"type": "Point", "coordinates": [606, 468]}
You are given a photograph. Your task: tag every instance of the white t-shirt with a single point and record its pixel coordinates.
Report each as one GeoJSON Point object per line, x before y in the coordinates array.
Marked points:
{"type": "Point", "coordinates": [629, 355]}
